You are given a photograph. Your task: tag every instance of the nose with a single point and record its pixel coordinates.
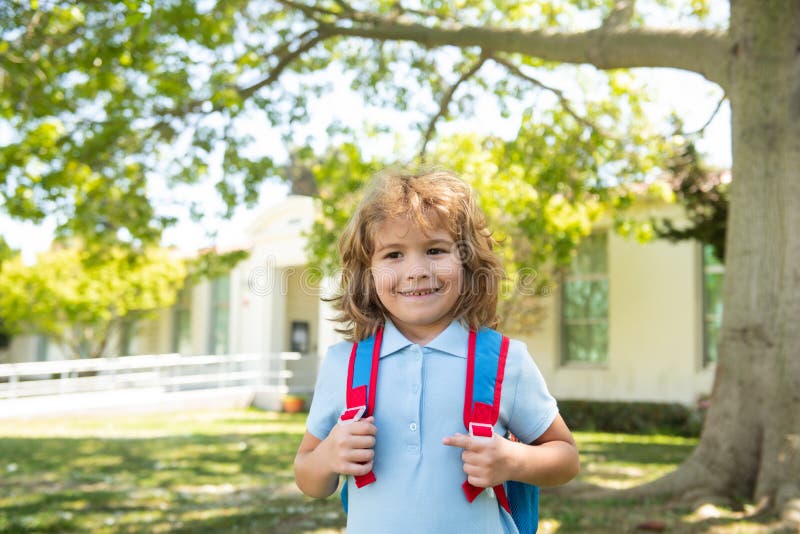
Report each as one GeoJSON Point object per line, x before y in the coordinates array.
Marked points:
{"type": "Point", "coordinates": [419, 268]}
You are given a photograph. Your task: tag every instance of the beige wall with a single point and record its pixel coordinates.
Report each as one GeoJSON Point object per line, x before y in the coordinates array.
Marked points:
{"type": "Point", "coordinates": [302, 304]}
{"type": "Point", "coordinates": [154, 335]}
{"type": "Point", "coordinates": [655, 330]}
{"type": "Point", "coordinates": [21, 349]}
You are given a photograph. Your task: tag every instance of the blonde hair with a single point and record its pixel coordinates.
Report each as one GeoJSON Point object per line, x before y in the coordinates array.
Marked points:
{"type": "Point", "coordinates": [429, 198]}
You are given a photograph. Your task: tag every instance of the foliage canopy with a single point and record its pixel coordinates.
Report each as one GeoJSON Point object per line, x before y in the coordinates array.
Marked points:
{"type": "Point", "coordinates": [81, 305]}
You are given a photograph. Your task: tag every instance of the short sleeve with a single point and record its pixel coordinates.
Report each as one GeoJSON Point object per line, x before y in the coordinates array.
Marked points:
{"type": "Point", "coordinates": [533, 409]}
{"type": "Point", "coordinates": [329, 391]}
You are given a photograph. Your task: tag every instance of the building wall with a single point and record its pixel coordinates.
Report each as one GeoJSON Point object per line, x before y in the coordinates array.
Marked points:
{"type": "Point", "coordinates": [655, 330]}
{"type": "Point", "coordinates": [302, 301]}
{"type": "Point", "coordinates": [302, 304]}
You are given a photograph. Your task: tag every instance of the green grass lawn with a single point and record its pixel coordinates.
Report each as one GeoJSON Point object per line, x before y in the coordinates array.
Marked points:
{"type": "Point", "coordinates": [231, 471]}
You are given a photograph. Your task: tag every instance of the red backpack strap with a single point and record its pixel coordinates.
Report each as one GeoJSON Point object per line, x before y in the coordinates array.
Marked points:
{"type": "Point", "coordinates": [362, 381]}
{"type": "Point", "coordinates": [486, 362]}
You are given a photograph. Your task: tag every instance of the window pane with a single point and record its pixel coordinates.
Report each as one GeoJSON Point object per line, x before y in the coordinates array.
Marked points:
{"type": "Point", "coordinates": [587, 343]}
{"type": "Point", "coordinates": [127, 335]}
{"type": "Point", "coordinates": [220, 292]}
{"type": "Point", "coordinates": [709, 258]}
{"type": "Point", "coordinates": [712, 340]}
{"type": "Point", "coordinates": [222, 287]}
{"type": "Point", "coordinates": [585, 299]}
{"type": "Point", "coordinates": [713, 289]}
{"type": "Point", "coordinates": [182, 322]}
{"type": "Point", "coordinates": [184, 340]}
{"type": "Point", "coordinates": [713, 277]}
{"type": "Point", "coordinates": [42, 346]}
{"type": "Point", "coordinates": [584, 310]}
{"type": "Point", "coordinates": [220, 345]}
{"type": "Point", "coordinates": [591, 256]}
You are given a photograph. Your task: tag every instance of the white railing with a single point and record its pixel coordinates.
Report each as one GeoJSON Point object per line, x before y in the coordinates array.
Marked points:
{"type": "Point", "coordinates": [165, 372]}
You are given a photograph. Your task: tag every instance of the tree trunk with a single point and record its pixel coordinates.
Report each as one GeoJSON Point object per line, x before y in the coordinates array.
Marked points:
{"type": "Point", "coordinates": [750, 445]}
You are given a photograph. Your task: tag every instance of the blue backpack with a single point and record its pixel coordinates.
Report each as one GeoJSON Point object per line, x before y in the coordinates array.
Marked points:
{"type": "Point", "coordinates": [486, 359]}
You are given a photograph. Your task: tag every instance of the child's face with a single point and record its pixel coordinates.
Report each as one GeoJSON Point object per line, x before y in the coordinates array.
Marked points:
{"type": "Point", "coordinates": [418, 276]}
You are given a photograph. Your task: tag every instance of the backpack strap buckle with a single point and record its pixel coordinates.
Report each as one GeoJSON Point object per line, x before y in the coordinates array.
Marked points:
{"type": "Point", "coordinates": [351, 415]}
{"type": "Point", "coordinates": [481, 430]}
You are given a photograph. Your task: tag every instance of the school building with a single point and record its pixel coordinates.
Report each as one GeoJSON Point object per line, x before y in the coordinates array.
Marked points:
{"type": "Point", "coordinates": [630, 322]}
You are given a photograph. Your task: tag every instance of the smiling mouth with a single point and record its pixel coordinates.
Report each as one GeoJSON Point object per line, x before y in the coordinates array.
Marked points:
{"type": "Point", "coordinates": [419, 292]}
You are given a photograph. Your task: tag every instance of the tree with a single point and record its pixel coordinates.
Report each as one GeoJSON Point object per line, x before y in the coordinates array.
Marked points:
{"type": "Point", "coordinates": [93, 92]}
{"type": "Point", "coordinates": [82, 301]}
{"type": "Point", "coordinates": [82, 305]}
{"type": "Point", "coordinates": [704, 194]}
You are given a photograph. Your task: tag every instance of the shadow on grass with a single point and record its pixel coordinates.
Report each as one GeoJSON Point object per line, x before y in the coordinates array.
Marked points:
{"type": "Point", "coordinates": [190, 482]}
{"type": "Point", "coordinates": [232, 472]}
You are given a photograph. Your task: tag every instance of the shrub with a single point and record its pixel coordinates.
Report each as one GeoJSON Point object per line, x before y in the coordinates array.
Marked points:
{"type": "Point", "coordinates": [632, 417]}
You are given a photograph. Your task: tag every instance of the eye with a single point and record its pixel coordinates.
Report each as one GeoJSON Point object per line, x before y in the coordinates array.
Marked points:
{"type": "Point", "coordinates": [434, 251]}
{"type": "Point", "coordinates": [392, 255]}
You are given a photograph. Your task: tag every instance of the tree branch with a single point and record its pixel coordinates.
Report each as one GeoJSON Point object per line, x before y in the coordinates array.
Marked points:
{"type": "Point", "coordinates": [711, 118]}
{"type": "Point", "coordinates": [703, 51]}
{"type": "Point", "coordinates": [445, 103]}
{"type": "Point", "coordinates": [313, 12]}
{"type": "Point", "coordinates": [563, 100]}
{"type": "Point", "coordinates": [285, 59]}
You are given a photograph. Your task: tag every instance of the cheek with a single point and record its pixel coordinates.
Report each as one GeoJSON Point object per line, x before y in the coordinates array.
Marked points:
{"type": "Point", "coordinates": [452, 274]}
{"type": "Point", "coordinates": [383, 278]}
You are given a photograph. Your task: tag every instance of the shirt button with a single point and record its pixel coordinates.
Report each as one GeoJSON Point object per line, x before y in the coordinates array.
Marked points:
{"type": "Point", "coordinates": [413, 427]}
{"type": "Point", "coordinates": [415, 388]}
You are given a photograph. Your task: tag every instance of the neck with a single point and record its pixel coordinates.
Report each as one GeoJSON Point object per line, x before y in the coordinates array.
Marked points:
{"type": "Point", "coordinates": [421, 334]}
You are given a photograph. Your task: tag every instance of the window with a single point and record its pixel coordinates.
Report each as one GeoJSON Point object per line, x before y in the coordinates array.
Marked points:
{"type": "Point", "coordinates": [299, 337]}
{"type": "Point", "coordinates": [713, 273]}
{"type": "Point", "coordinates": [584, 304]}
{"type": "Point", "coordinates": [5, 337]}
{"type": "Point", "coordinates": [220, 314]}
{"type": "Point", "coordinates": [182, 322]}
{"type": "Point", "coordinates": [42, 347]}
{"type": "Point", "coordinates": [127, 332]}
{"type": "Point", "coordinates": [84, 348]}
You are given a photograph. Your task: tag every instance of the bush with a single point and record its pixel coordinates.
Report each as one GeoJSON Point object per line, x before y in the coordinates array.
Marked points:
{"type": "Point", "coordinates": [632, 417]}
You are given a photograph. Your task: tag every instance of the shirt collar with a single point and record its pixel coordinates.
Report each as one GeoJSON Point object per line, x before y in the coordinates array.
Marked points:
{"type": "Point", "coordinates": [452, 340]}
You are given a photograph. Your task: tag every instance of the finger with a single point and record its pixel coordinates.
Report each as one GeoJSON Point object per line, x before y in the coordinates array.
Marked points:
{"type": "Point", "coordinates": [478, 482]}
{"type": "Point", "coordinates": [361, 456]}
{"type": "Point", "coordinates": [361, 442]}
{"type": "Point", "coordinates": [363, 469]}
{"type": "Point", "coordinates": [469, 457]}
{"type": "Point", "coordinates": [365, 427]}
{"type": "Point", "coordinates": [357, 469]}
{"type": "Point", "coordinates": [457, 440]}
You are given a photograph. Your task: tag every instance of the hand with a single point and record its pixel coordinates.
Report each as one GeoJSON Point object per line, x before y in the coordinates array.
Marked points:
{"type": "Point", "coordinates": [486, 460]}
{"type": "Point", "coordinates": [350, 447]}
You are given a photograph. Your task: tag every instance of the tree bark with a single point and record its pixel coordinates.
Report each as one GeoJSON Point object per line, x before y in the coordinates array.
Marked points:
{"type": "Point", "coordinates": [699, 51]}
{"type": "Point", "coordinates": [753, 431]}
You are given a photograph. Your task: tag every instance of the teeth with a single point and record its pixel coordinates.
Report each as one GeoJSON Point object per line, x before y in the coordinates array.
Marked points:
{"type": "Point", "coordinates": [419, 293]}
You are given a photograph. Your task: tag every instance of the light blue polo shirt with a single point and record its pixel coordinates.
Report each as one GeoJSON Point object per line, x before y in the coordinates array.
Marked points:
{"type": "Point", "coordinates": [419, 401]}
